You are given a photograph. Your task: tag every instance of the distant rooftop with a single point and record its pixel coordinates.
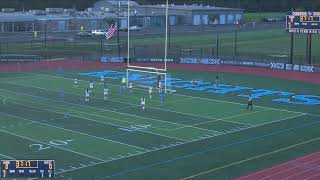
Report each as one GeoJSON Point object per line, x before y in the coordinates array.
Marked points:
{"type": "Point", "coordinates": [16, 17]}
{"type": "Point", "coordinates": [190, 7]}
{"type": "Point", "coordinates": [28, 16]}
{"type": "Point", "coordinates": [123, 2]}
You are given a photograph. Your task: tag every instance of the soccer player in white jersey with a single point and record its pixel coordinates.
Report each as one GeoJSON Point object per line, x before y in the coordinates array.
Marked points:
{"type": "Point", "coordinates": [143, 103]}
{"type": "Point", "coordinates": [150, 92]}
{"type": "Point", "coordinates": [102, 78]}
{"type": "Point", "coordinates": [75, 83]}
{"type": "Point", "coordinates": [105, 93]}
{"type": "Point", "coordinates": [91, 87]}
{"type": "Point", "coordinates": [160, 87]}
{"type": "Point", "coordinates": [87, 95]}
{"type": "Point", "coordinates": [130, 87]}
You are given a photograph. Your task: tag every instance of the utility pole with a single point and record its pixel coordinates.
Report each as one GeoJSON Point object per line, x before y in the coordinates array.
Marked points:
{"type": "Point", "coordinates": [45, 35]}
{"type": "Point", "coordinates": [309, 46]}
{"type": "Point", "coordinates": [260, 8]}
{"type": "Point", "coordinates": [291, 48]}
{"type": "Point", "coordinates": [217, 51]}
{"type": "Point", "coordinates": [307, 50]}
{"type": "Point", "coordinates": [101, 47]}
{"type": "Point", "coordinates": [235, 43]}
{"type": "Point", "coordinates": [169, 26]}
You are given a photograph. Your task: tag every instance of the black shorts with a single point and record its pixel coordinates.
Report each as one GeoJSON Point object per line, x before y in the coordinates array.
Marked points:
{"type": "Point", "coordinates": [250, 103]}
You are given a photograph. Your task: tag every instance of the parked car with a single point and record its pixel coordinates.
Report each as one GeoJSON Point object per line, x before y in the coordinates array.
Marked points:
{"type": "Point", "coordinates": [135, 28]}
{"type": "Point", "coordinates": [98, 32]}
{"type": "Point", "coordinates": [132, 28]}
{"type": "Point", "coordinates": [84, 34]}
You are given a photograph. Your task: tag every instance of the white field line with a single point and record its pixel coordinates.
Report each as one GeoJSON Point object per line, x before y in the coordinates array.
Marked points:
{"type": "Point", "coordinates": [6, 156]}
{"type": "Point", "coordinates": [181, 100]}
{"type": "Point", "coordinates": [89, 119]}
{"type": "Point", "coordinates": [224, 119]}
{"type": "Point", "coordinates": [122, 108]}
{"type": "Point", "coordinates": [239, 115]}
{"type": "Point", "coordinates": [279, 120]}
{"type": "Point", "coordinates": [188, 142]}
{"type": "Point", "coordinates": [73, 131]}
{"type": "Point", "coordinates": [136, 105]}
{"type": "Point", "coordinates": [101, 122]}
{"type": "Point", "coordinates": [209, 99]}
{"type": "Point", "coordinates": [30, 139]}
{"type": "Point", "coordinates": [4, 100]}
{"type": "Point", "coordinates": [113, 111]}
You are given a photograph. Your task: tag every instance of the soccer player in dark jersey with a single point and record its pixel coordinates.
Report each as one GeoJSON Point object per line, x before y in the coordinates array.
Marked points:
{"type": "Point", "coordinates": [250, 103]}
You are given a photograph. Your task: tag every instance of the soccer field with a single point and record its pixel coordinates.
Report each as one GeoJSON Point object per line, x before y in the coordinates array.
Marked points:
{"type": "Point", "coordinates": [196, 135]}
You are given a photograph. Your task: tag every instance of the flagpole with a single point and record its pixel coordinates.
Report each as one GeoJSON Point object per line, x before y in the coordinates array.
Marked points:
{"type": "Point", "coordinates": [118, 33]}
{"type": "Point", "coordinates": [166, 39]}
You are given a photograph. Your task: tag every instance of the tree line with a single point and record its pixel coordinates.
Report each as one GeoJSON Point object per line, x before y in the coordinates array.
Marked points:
{"type": "Point", "coordinates": [248, 5]}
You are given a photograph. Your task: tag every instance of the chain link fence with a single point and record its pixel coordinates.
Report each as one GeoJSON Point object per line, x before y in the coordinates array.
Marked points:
{"type": "Point", "coordinates": [95, 48]}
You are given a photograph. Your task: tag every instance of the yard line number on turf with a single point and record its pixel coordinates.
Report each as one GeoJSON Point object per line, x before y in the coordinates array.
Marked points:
{"type": "Point", "coordinates": [42, 147]}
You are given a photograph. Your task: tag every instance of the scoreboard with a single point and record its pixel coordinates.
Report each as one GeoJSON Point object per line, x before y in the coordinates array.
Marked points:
{"type": "Point", "coordinates": [303, 22]}
{"type": "Point", "coordinates": [27, 168]}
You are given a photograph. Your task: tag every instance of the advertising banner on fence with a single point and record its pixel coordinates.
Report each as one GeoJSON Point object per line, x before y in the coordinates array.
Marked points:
{"type": "Point", "coordinates": [305, 68]}
{"type": "Point", "coordinates": [316, 69]}
{"type": "Point", "coordinates": [112, 59]}
{"type": "Point", "coordinates": [274, 65]}
{"type": "Point", "coordinates": [225, 61]}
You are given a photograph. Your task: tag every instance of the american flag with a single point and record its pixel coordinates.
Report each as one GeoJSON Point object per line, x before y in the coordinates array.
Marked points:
{"type": "Point", "coordinates": [110, 32]}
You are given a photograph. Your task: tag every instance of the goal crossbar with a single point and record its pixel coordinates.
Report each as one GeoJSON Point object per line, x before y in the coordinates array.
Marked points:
{"type": "Point", "coordinates": [150, 72]}
{"type": "Point", "coordinates": [147, 68]}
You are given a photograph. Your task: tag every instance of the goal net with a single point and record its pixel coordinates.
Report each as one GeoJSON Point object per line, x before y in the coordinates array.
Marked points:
{"type": "Point", "coordinates": [159, 81]}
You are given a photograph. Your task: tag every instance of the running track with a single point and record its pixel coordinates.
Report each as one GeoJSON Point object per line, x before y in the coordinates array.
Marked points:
{"type": "Point", "coordinates": [303, 168]}
{"type": "Point", "coordinates": [78, 64]}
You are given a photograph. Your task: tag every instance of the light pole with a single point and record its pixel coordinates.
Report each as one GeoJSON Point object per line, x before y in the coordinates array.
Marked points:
{"type": "Point", "coordinates": [217, 46]}
{"type": "Point", "coordinates": [235, 43]}
{"type": "Point", "coordinates": [260, 7]}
